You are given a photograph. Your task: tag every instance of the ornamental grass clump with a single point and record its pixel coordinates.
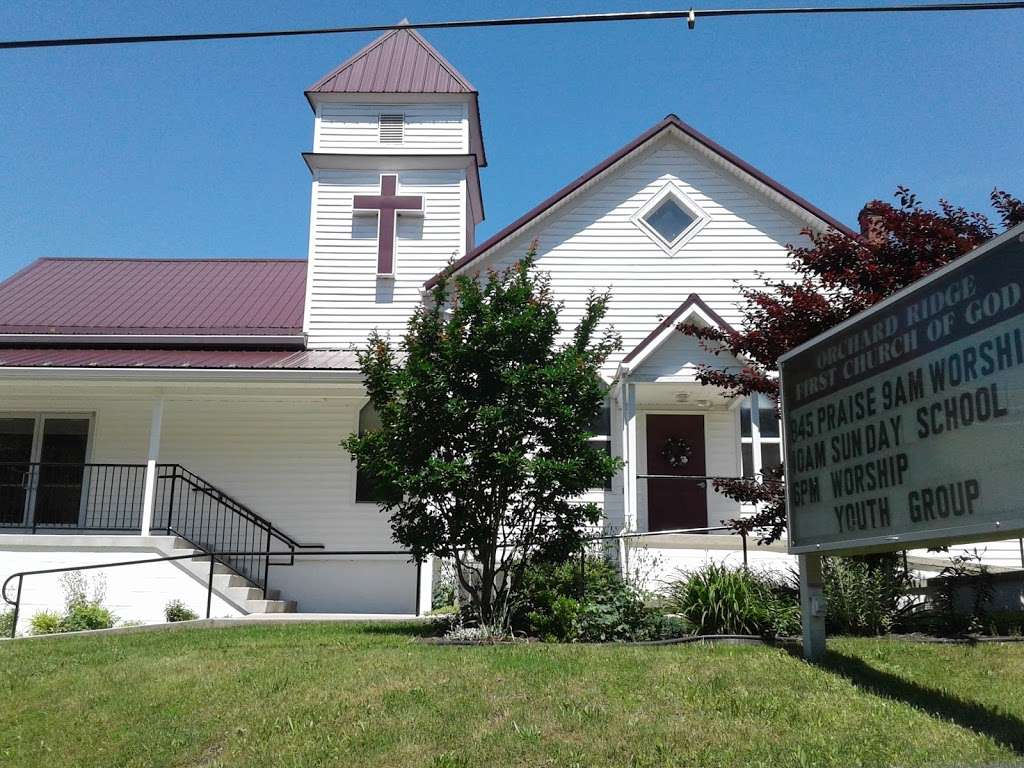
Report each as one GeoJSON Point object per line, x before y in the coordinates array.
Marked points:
{"type": "Point", "coordinates": [865, 595]}
{"type": "Point", "coordinates": [719, 600]}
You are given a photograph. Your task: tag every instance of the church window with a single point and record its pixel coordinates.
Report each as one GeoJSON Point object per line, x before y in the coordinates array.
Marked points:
{"type": "Point", "coordinates": [760, 437]}
{"type": "Point", "coordinates": [602, 435]}
{"type": "Point", "coordinates": [392, 128]}
{"type": "Point", "coordinates": [669, 219]}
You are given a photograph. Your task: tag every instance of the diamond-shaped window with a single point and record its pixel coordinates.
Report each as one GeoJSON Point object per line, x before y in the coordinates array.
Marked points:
{"type": "Point", "coordinates": [669, 219]}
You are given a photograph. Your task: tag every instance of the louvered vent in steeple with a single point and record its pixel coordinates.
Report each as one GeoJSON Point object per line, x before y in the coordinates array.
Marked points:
{"type": "Point", "coordinates": [392, 128]}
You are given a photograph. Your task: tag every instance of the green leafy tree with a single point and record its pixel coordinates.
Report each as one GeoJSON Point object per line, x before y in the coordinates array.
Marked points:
{"type": "Point", "coordinates": [485, 418]}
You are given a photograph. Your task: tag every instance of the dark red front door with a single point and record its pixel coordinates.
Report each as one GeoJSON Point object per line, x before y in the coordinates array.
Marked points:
{"type": "Point", "coordinates": [675, 446]}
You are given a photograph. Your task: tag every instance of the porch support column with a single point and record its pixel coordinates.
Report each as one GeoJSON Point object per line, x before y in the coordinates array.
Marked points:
{"type": "Point", "coordinates": [425, 586]}
{"type": "Point", "coordinates": [149, 490]}
{"type": "Point", "coordinates": [629, 489]}
{"type": "Point", "coordinates": [812, 606]}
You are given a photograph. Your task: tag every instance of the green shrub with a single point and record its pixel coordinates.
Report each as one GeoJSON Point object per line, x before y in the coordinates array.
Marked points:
{"type": "Point", "coordinates": [719, 600]}
{"type": "Point", "coordinates": [46, 623]}
{"type": "Point", "coordinates": [865, 595]}
{"type": "Point", "coordinates": [966, 574]}
{"type": "Point", "coordinates": [87, 615]}
{"type": "Point", "coordinates": [1004, 623]}
{"type": "Point", "coordinates": [6, 622]}
{"type": "Point", "coordinates": [560, 602]}
{"type": "Point", "coordinates": [960, 603]}
{"type": "Point", "coordinates": [929, 620]}
{"type": "Point", "coordinates": [178, 611]}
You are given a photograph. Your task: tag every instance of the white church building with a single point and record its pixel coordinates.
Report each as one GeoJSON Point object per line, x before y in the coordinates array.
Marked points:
{"type": "Point", "coordinates": [152, 407]}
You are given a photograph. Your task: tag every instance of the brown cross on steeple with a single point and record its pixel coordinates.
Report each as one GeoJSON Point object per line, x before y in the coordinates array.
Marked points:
{"type": "Point", "coordinates": [387, 205]}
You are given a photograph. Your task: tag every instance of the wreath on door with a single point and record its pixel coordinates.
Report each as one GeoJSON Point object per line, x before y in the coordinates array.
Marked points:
{"type": "Point", "coordinates": [676, 452]}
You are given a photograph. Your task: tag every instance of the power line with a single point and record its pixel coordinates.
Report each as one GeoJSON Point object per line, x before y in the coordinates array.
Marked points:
{"type": "Point", "coordinates": [690, 14]}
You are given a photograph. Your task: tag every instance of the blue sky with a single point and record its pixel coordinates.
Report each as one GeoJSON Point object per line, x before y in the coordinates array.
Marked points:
{"type": "Point", "coordinates": [193, 149]}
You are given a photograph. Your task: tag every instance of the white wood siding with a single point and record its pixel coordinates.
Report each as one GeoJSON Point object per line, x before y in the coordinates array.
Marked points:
{"type": "Point", "coordinates": [677, 360]}
{"type": "Point", "coordinates": [346, 300]}
{"type": "Point", "coordinates": [430, 129]}
{"type": "Point", "coordinates": [592, 244]}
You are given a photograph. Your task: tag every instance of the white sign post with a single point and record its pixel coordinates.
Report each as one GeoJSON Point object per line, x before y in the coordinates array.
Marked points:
{"type": "Point", "coordinates": [904, 425]}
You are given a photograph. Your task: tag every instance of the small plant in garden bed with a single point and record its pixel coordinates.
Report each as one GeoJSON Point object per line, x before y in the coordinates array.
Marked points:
{"type": "Point", "coordinates": [176, 610]}
{"type": "Point", "coordinates": [459, 632]}
{"type": "Point", "coordinates": [719, 600]}
{"type": "Point", "coordinates": [46, 623]}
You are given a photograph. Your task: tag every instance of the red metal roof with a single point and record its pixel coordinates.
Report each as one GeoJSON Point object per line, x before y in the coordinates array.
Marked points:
{"type": "Point", "coordinates": [140, 296]}
{"type": "Point", "coordinates": [670, 121]}
{"type": "Point", "coordinates": [84, 357]}
{"type": "Point", "coordinates": [400, 61]}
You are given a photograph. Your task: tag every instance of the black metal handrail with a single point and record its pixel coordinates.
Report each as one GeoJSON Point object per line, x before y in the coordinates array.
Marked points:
{"type": "Point", "coordinates": [214, 557]}
{"type": "Point", "coordinates": [47, 496]}
{"type": "Point", "coordinates": [111, 498]}
{"type": "Point", "coordinates": [209, 519]}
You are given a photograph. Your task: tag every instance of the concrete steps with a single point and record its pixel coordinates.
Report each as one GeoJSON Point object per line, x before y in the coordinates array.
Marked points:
{"type": "Point", "coordinates": [227, 584]}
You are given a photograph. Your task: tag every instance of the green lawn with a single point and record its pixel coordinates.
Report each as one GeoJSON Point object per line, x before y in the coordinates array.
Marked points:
{"type": "Point", "coordinates": [354, 695]}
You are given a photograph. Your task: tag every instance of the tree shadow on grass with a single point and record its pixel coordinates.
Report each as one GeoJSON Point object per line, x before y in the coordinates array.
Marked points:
{"type": "Point", "coordinates": [1003, 728]}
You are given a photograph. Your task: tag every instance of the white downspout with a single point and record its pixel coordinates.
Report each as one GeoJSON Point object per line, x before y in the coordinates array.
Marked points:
{"type": "Point", "coordinates": [629, 478]}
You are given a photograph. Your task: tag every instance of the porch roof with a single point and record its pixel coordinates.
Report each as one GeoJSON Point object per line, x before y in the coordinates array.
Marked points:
{"type": "Point", "coordinates": [146, 297]}
{"type": "Point", "coordinates": [134, 358]}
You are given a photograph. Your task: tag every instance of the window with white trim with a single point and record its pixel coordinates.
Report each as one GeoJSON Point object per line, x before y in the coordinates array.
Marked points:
{"type": "Point", "coordinates": [370, 490]}
{"type": "Point", "coordinates": [602, 435]}
{"type": "Point", "coordinates": [669, 219]}
{"type": "Point", "coordinates": [760, 436]}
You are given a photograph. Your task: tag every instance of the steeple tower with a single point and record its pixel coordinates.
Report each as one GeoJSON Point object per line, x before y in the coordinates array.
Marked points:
{"type": "Point", "coordinates": [397, 148]}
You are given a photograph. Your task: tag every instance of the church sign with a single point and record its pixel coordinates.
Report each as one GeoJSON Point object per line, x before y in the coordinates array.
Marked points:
{"type": "Point", "coordinates": [905, 424]}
